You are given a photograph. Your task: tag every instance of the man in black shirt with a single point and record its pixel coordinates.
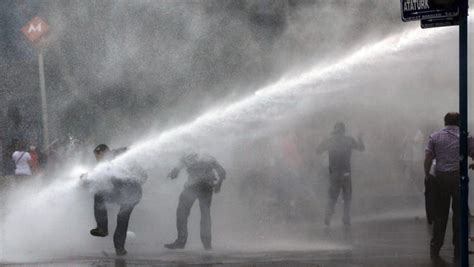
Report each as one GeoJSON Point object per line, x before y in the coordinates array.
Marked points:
{"type": "Point", "coordinates": [200, 185]}
{"type": "Point", "coordinates": [339, 148]}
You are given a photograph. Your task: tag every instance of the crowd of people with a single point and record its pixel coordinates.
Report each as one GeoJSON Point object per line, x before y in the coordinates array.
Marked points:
{"type": "Point", "coordinates": [206, 175]}
{"type": "Point", "coordinates": [434, 152]}
{"type": "Point", "coordinates": [23, 158]}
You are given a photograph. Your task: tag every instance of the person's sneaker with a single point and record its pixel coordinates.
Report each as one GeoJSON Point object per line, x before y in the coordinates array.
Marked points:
{"type": "Point", "coordinates": [208, 247]}
{"type": "Point", "coordinates": [174, 246]}
{"type": "Point", "coordinates": [120, 251]}
{"type": "Point", "coordinates": [99, 232]}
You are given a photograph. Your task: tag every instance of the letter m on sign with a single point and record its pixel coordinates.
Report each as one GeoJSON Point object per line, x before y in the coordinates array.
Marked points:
{"type": "Point", "coordinates": [35, 28]}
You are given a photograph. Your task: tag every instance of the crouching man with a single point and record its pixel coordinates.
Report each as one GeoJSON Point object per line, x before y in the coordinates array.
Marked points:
{"type": "Point", "coordinates": [125, 192]}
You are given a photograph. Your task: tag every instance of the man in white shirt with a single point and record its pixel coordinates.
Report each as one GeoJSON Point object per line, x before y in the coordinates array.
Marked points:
{"type": "Point", "coordinates": [123, 191]}
{"type": "Point", "coordinates": [22, 161]}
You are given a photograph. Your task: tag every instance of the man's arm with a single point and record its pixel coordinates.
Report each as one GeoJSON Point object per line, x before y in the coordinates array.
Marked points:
{"type": "Point", "coordinates": [84, 180]}
{"type": "Point", "coordinates": [221, 173]}
{"type": "Point", "coordinates": [427, 164]}
{"type": "Point", "coordinates": [116, 152]}
{"type": "Point", "coordinates": [430, 155]}
{"type": "Point", "coordinates": [174, 172]}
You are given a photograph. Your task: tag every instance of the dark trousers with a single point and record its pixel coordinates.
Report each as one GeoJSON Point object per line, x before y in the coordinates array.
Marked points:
{"type": "Point", "coordinates": [126, 201]}
{"type": "Point", "coordinates": [202, 192]}
{"type": "Point", "coordinates": [446, 187]}
{"type": "Point", "coordinates": [339, 181]}
{"type": "Point", "coordinates": [430, 197]}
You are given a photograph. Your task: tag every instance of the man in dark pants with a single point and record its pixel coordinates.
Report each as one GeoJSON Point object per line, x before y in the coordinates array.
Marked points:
{"type": "Point", "coordinates": [200, 185]}
{"type": "Point", "coordinates": [430, 198]}
{"type": "Point", "coordinates": [126, 192]}
{"type": "Point", "coordinates": [443, 145]}
{"type": "Point", "coordinates": [339, 148]}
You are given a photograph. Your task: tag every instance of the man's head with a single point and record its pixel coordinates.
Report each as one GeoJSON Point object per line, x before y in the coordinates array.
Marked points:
{"type": "Point", "coordinates": [451, 119]}
{"type": "Point", "coordinates": [339, 128]}
{"type": "Point", "coordinates": [20, 145]}
{"type": "Point", "coordinates": [101, 151]}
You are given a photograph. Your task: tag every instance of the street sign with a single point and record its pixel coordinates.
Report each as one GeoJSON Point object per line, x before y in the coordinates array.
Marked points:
{"type": "Point", "coordinates": [439, 22]}
{"type": "Point", "coordinates": [428, 9]}
{"type": "Point", "coordinates": [35, 28]}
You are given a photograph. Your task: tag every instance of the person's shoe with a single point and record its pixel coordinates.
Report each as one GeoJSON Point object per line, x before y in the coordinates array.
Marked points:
{"type": "Point", "coordinates": [120, 251]}
{"type": "Point", "coordinates": [208, 247]}
{"type": "Point", "coordinates": [99, 232]}
{"type": "Point", "coordinates": [174, 246]}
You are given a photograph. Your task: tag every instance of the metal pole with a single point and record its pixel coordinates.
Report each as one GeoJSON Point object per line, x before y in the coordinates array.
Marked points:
{"type": "Point", "coordinates": [463, 111]}
{"type": "Point", "coordinates": [44, 107]}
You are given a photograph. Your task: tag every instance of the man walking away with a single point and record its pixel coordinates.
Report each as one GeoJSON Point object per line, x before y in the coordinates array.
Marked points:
{"type": "Point", "coordinates": [443, 146]}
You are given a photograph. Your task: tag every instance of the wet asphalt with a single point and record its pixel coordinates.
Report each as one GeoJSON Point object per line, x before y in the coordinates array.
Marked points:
{"type": "Point", "coordinates": [388, 242]}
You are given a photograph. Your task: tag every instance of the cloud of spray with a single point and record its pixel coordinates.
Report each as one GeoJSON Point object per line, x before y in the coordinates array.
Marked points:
{"type": "Point", "coordinates": [148, 61]}
{"type": "Point", "coordinates": [63, 205]}
{"type": "Point", "coordinates": [285, 94]}
{"type": "Point", "coordinates": [366, 87]}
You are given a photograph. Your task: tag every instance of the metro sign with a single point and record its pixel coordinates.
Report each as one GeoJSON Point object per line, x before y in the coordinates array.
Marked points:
{"type": "Point", "coordinates": [428, 9]}
{"type": "Point", "coordinates": [35, 28]}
